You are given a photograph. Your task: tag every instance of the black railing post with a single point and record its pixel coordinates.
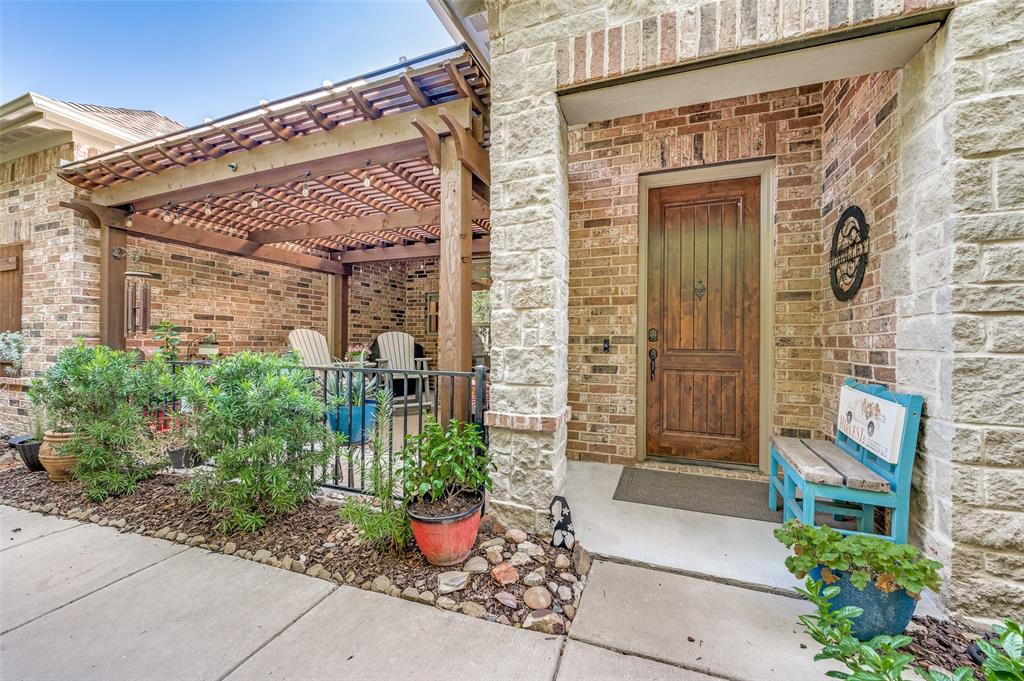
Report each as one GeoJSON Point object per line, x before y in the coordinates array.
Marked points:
{"type": "Point", "coordinates": [480, 403]}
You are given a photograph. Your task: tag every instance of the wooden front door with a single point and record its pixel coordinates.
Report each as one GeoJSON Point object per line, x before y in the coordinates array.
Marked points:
{"type": "Point", "coordinates": [703, 320]}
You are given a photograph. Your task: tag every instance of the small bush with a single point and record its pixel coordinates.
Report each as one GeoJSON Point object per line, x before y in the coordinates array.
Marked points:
{"type": "Point", "coordinates": [380, 518]}
{"type": "Point", "coordinates": [442, 462]}
{"type": "Point", "coordinates": [256, 415]}
{"type": "Point", "coordinates": [103, 396]}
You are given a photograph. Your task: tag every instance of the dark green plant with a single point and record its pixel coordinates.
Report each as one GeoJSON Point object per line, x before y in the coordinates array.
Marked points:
{"type": "Point", "coordinates": [102, 396]}
{"type": "Point", "coordinates": [1004, 660]}
{"type": "Point", "coordinates": [890, 566]}
{"type": "Point", "coordinates": [380, 517]}
{"type": "Point", "coordinates": [441, 462]}
{"type": "Point", "coordinates": [168, 336]}
{"type": "Point", "coordinates": [12, 350]}
{"type": "Point", "coordinates": [257, 416]}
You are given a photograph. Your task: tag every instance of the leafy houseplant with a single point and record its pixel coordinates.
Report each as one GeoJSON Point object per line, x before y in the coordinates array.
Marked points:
{"type": "Point", "coordinates": [12, 350]}
{"type": "Point", "coordinates": [256, 415]}
{"type": "Point", "coordinates": [381, 518]}
{"type": "Point", "coordinates": [357, 352]}
{"type": "Point", "coordinates": [167, 335]}
{"type": "Point", "coordinates": [882, 578]}
{"type": "Point", "coordinates": [881, 658]}
{"type": "Point", "coordinates": [446, 471]}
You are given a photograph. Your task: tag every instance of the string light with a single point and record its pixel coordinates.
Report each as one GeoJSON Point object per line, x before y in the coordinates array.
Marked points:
{"type": "Point", "coordinates": [207, 210]}
{"type": "Point", "coordinates": [305, 185]}
{"type": "Point", "coordinates": [128, 221]}
{"type": "Point", "coordinates": [167, 214]}
{"type": "Point", "coordinates": [366, 180]}
{"type": "Point", "coordinates": [255, 202]}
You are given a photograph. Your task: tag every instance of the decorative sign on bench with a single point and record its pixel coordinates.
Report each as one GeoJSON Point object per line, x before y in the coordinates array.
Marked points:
{"type": "Point", "coordinates": [872, 422]}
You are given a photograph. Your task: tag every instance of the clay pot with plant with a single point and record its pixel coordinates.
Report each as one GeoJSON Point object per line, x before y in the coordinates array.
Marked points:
{"type": "Point", "coordinates": [447, 471]}
{"type": "Point", "coordinates": [879, 577]}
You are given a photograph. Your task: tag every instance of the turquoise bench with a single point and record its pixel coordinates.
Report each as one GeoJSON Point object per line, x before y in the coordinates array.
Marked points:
{"type": "Point", "coordinates": [869, 465]}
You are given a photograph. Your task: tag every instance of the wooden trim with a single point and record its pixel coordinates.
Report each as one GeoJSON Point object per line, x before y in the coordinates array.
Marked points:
{"type": "Point", "coordinates": [337, 314]}
{"type": "Point", "coordinates": [430, 138]}
{"type": "Point", "coordinates": [454, 342]}
{"type": "Point", "coordinates": [359, 225]}
{"type": "Point", "coordinates": [468, 150]}
{"type": "Point", "coordinates": [112, 317]}
{"type": "Point", "coordinates": [765, 168]}
{"type": "Point", "coordinates": [345, 147]}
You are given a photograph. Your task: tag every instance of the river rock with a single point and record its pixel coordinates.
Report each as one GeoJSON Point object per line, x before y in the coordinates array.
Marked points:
{"type": "Point", "coordinates": [519, 559]}
{"type": "Point", "coordinates": [453, 580]}
{"type": "Point", "coordinates": [530, 549]}
{"type": "Point", "coordinates": [515, 536]}
{"type": "Point", "coordinates": [564, 593]}
{"type": "Point", "coordinates": [506, 599]}
{"type": "Point", "coordinates": [562, 561]}
{"type": "Point", "coordinates": [545, 621]}
{"type": "Point", "coordinates": [380, 584]}
{"type": "Point", "coordinates": [230, 548]}
{"type": "Point", "coordinates": [537, 598]}
{"type": "Point", "coordinates": [580, 559]}
{"type": "Point", "coordinates": [410, 593]}
{"type": "Point", "coordinates": [476, 565]}
{"type": "Point", "coordinates": [504, 574]}
{"type": "Point", "coordinates": [473, 609]}
{"type": "Point", "coordinates": [497, 541]}
{"type": "Point", "coordinates": [535, 578]}
{"type": "Point", "coordinates": [493, 554]}
{"type": "Point", "coordinates": [445, 603]}
{"type": "Point", "coordinates": [567, 577]}
{"type": "Point", "coordinates": [426, 597]}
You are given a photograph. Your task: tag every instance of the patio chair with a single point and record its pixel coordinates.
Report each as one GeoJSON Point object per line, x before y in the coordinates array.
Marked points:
{"type": "Point", "coordinates": [311, 347]}
{"type": "Point", "coordinates": [397, 350]}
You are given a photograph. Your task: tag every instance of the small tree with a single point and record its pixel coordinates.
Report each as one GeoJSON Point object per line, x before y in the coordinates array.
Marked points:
{"type": "Point", "coordinates": [167, 335]}
{"type": "Point", "coordinates": [257, 416]}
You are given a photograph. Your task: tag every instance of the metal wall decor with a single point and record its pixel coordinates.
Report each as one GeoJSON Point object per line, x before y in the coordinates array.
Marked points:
{"type": "Point", "coordinates": [136, 298]}
{"type": "Point", "coordinates": [848, 259]}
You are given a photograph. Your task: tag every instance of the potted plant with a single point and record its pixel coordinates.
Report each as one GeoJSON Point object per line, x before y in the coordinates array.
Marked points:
{"type": "Point", "coordinates": [351, 414]}
{"type": "Point", "coordinates": [176, 445]}
{"type": "Point", "coordinates": [883, 579]}
{"type": "Point", "coordinates": [28, 445]}
{"type": "Point", "coordinates": [446, 471]}
{"type": "Point", "coordinates": [57, 390]}
{"type": "Point", "coordinates": [357, 352]}
{"type": "Point", "coordinates": [208, 346]}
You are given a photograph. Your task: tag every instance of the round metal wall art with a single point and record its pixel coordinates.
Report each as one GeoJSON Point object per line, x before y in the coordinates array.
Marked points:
{"type": "Point", "coordinates": [848, 259]}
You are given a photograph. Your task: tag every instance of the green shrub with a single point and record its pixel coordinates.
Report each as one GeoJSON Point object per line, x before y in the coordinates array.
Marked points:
{"type": "Point", "coordinates": [441, 462]}
{"type": "Point", "coordinates": [380, 517]}
{"type": "Point", "coordinates": [167, 335]}
{"type": "Point", "coordinates": [890, 566]}
{"type": "Point", "coordinates": [256, 416]}
{"type": "Point", "coordinates": [103, 397]}
{"type": "Point", "coordinates": [12, 350]}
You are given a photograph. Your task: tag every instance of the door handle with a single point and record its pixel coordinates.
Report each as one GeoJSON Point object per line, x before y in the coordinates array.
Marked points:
{"type": "Point", "coordinates": [653, 355]}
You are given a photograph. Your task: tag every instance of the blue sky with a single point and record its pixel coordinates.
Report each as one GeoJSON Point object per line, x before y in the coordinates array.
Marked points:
{"type": "Point", "coordinates": [190, 59]}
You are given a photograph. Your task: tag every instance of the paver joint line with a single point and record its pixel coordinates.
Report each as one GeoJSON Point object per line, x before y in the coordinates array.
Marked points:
{"type": "Point", "coordinates": [42, 536]}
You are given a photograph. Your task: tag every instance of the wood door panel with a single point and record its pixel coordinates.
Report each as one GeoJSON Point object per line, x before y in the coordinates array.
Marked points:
{"type": "Point", "coordinates": [703, 300]}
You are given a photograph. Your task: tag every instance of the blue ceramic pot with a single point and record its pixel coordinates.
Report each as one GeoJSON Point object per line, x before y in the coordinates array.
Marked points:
{"type": "Point", "coordinates": [884, 613]}
{"type": "Point", "coordinates": [354, 422]}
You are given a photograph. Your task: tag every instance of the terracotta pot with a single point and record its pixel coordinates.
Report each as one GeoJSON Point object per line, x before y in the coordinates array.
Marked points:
{"type": "Point", "coordinates": [448, 540]}
{"type": "Point", "coordinates": [57, 467]}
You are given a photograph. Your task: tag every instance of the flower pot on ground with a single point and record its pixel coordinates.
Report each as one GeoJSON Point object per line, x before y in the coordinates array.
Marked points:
{"type": "Point", "coordinates": [883, 579]}
{"type": "Point", "coordinates": [354, 421]}
{"type": "Point", "coordinates": [446, 470]}
{"type": "Point", "coordinates": [57, 464]}
{"type": "Point", "coordinates": [28, 451]}
{"type": "Point", "coordinates": [184, 457]}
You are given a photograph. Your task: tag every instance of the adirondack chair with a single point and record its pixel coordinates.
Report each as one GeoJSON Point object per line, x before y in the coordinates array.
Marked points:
{"type": "Point", "coordinates": [397, 350]}
{"type": "Point", "coordinates": [311, 346]}
{"type": "Point", "coordinates": [869, 465]}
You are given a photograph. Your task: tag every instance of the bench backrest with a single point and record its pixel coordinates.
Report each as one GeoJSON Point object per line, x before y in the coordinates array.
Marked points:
{"type": "Point", "coordinates": [864, 425]}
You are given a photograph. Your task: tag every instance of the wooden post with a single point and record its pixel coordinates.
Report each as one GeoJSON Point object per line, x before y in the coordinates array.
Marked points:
{"type": "Point", "coordinates": [337, 314]}
{"type": "Point", "coordinates": [454, 341]}
{"type": "Point", "coordinates": [112, 331]}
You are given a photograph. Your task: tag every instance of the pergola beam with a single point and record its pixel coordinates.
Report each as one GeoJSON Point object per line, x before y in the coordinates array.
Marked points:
{"type": "Point", "coordinates": [346, 147]}
{"type": "Point", "coordinates": [469, 151]}
{"type": "Point", "coordinates": [413, 252]}
{"type": "Point", "coordinates": [155, 228]}
{"type": "Point", "coordinates": [359, 225]}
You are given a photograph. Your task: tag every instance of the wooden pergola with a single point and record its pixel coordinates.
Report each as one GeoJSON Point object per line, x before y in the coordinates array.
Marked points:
{"type": "Point", "coordinates": [388, 166]}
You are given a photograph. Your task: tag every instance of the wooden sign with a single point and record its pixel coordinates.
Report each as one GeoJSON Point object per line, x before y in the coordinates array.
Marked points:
{"type": "Point", "coordinates": [873, 423]}
{"type": "Point", "coordinates": [848, 259]}
{"type": "Point", "coordinates": [8, 264]}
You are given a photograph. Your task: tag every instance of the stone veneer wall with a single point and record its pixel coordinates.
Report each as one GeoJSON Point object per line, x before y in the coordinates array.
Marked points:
{"type": "Point", "coordinates": [605, 162]}
{"type": "Point", "coordinates": [961, 301]}
{"type": "Point", "coordinates": [860, 167]}
{"type": "Point", "coordinates": [59, 296]}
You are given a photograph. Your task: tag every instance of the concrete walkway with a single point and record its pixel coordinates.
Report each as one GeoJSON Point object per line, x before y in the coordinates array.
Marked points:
{"type": "Point", "coordinates": [79, 601]}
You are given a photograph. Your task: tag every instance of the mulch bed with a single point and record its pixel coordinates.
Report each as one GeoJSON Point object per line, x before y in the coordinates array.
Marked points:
{"type": "Point", "coordinates": [945, 644]}
{"type": "Point", "coordinates": [314, 535]}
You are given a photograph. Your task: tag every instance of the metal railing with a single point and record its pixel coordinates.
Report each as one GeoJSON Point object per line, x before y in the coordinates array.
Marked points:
{"type": "Point", "coordinates": [350, 406]}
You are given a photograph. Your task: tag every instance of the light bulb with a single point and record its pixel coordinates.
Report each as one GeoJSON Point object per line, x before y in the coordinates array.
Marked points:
{"type": "Point", "coordinates": [437, 171]}
{"type": "Point", "coordinates": [366, 180]}
{"type": "Point", "coordinates": [128, 222]}
{"type": "Point", "coordinates": [177, 220]}
{"type": "Point", "coordinates": [207, 210]}
{"type": "Point", "coordinates": [255, 203]}
{"type": "Point", "coordinates": [167, 216]}
{"type": "Point", "coordinates": [305, 189]}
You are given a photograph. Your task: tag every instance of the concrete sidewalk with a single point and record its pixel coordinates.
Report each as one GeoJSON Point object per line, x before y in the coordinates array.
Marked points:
{"type": "Point", "coordinates": [79, 601]}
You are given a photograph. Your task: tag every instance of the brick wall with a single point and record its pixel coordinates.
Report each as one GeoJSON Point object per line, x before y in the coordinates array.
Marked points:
{"type": "Point", "coordinates": [860, 161]}
{"type": "Point", "coordinates": [421, 278]}
{"type": "Point", "coordinates": [604, 166]}
{"type": "Point", "coordinates": [250, 305]}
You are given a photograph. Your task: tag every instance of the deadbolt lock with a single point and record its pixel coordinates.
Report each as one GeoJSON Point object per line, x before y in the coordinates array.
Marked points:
{"type": "Point", "coordinates": [652, 335]}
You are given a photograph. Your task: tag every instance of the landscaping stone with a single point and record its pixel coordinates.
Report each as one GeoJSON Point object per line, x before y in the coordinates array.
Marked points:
{"type": "Point", "coordinates": [515, 536]}
{"type": "Point", "coordinates": [182, 537]}
{"type": "Point", "coordinates": [394, 591]}
{"type": "Point", "coordinates": [491, 525]}
{"type": "Point", "coordinates": [504, 574]}
{"type": "Point", "coordinates": [537, 597]}
{"type": "Point", "coordinates": [497, 541]}
{"type": "Point", "coordinates": [350, 577]}
{"type": "Point", "coordinates": [261, 556]}
{"type": "Point", "coordinates": [493, 555]}
{"type": "Point", "coordinates": [473, 609]}
{"type": "Point", "coordinates": [503, 620]}
{"type": "Point", "coordinates": [567, 577]}
{"type": "Point", "coordinates": [121, 522]}
{"type": "Point", "coordinates": [196, 540]}
{"type": "Point", "coordinates": [535, 578]}
{"type": "Point", "coordinates": [453, 580]}
{"type": "Point", "coordinates": [426, 597]}
{"type": "Point", "coordinates": [580, 559]}
{"type": "Point", "coordinates": [366, 586]}
{"type": "Point", "coordinates": [553, 587]}
{"type": "Point", "coordinates": [506, 599]}
{"type": "Point", "coordinates": [476, 565]}
{"type": "Point", "coordinates": [445, 603]}
{"type": "Point", "coordinates": [569, 610]}
{"type": "Point", "coordinates": [230, 548]}
{"type": "Point", "coordinates": [530, 549]}
{"type": "Point", "coordinates": [298, 566]}
{"type": "Point", "coordinates": [562, 561]}
{"type": "Point", "coordinates": [564, 593]}
{"type": "Point", "coordinates": [380, 584]}
{"type": "Point", "coordinates": [519, 559]}
{"type": "Point", "coordinates": [162, 532]}
{"type": "Point", "coordinates": [338, 577]}
{"type": "Point", "coordinates": [286, 562]}
{"type": "Point", "coordinates": [94, 518]}
{"type": "Point", "coordinates": [410, 593]}
{"type": "Point", "coordinates": [315, 570]}
{"type": "Point", "coordinates": [546, 621]}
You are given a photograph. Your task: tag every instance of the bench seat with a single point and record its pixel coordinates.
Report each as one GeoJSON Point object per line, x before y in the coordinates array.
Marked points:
{"type": "Point", "coordinates": [823, 463]}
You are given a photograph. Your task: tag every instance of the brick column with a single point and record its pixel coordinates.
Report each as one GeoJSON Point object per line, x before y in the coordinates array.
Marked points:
{"type": "Point", "coordinates": [529, 294]}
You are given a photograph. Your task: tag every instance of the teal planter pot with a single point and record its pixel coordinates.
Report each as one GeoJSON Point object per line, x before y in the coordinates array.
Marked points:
{"type": "Point", "coordinates": [884, 613]}
{"type": "Point", "coordinates": [354, 422]}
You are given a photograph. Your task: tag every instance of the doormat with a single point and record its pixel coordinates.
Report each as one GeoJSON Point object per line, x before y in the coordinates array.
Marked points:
{"type": "Point", "coordinates": [701, 493]}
